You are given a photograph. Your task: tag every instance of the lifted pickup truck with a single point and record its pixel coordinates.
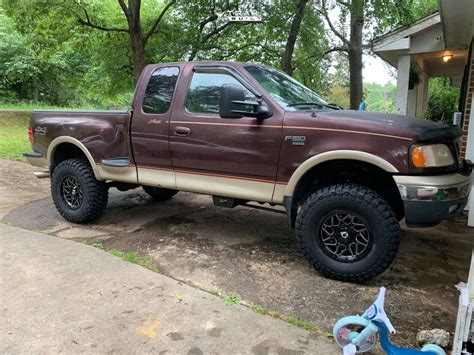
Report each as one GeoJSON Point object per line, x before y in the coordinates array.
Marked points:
{"type": "Point", "coordinates": [248, 133]}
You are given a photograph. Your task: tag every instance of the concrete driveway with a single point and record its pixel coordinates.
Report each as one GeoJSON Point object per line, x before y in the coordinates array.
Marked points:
{"type": "Point", "coordinates": [252, 254]}
{"type": "Point", "coordinates": [64, 297]}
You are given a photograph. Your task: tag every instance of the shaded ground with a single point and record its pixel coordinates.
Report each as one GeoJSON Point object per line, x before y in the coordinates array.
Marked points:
{"type": "Point", "coordinates": [252, 254]}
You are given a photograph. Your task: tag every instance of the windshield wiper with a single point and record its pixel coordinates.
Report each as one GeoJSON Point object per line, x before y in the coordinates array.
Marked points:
{"type": "Point", "coordinates": [319, 104]}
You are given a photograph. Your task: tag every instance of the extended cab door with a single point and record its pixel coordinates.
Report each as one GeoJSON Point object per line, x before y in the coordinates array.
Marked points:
{"type": "Point", "coordinates": [150, 123]}
{"type": "Point", "coordinates": [228, 157]}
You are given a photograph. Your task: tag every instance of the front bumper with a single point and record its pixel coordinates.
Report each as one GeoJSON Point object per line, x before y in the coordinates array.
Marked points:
{"type": "Point", "coordinates": [428, 200]}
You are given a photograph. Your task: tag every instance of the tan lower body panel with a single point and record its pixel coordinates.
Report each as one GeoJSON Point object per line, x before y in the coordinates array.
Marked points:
{"type": "Point", "coordinates": [157, 177]}
{"type": "Point", "coordinates": [122, 174]}
{"type": "Point", "coordinates": [246, 189]}
{"type": "Point", "coordinates": [224, 186]}
{"type": "Point", "coordinates": [279, 193]}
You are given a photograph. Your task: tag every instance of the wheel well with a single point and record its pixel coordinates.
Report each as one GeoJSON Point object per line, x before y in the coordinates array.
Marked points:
{"type": "Point", "coordinates": [66, 151]}
{"type": "Point", "coordinates": [353, 171]}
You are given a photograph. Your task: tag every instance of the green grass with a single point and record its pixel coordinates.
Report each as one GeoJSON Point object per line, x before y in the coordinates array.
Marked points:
{"type": "Point", "coordinates": [301, 323]}
{"type": "Point", "coordinates": [231, 300]}
{"type": "Point", "coordinates": [131, 257]}
{"type": "Point", "coordinates": [14, 135]}
{"type": "Point", "coordinates": [259, 309]}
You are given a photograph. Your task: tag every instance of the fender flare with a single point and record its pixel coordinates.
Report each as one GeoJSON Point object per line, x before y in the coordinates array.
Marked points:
{"type": "Point", "coordinates": [335, 155]}
{"type": "Point", "coordinates": [66, 139]}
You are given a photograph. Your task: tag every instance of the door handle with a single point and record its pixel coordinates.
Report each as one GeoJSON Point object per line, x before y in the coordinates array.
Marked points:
{"type": "Point", "coordinates": [182, 131]}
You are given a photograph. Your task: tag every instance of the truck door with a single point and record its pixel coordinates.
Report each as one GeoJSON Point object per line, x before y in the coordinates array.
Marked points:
{"type": "Point", "coordinates": [150, 122]}
{"type": "Point", "coordinates": [227, 157]}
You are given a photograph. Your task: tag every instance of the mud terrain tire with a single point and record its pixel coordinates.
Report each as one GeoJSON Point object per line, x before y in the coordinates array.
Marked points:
{"type": "Point", "coordinates": [77, 195]}
{"type": "Point", "coordinates": [339, 221]}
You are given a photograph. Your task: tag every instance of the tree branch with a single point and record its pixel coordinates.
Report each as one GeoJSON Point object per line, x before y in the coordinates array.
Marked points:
{"type": "Point", "coordinates": [203, 23]}
{"type": "Point", "coordinates": [87, 22]}
{"type": "Point", "coordinates": [125, 9]}
{"type": "Point", "coordinates": [216, 31]}
{"type": "Point", "coordinates": [331, 26]}
{"type": "Point", "coordinates": [158, 20]}
{"type": "Point", "coordinates": [335, 49]}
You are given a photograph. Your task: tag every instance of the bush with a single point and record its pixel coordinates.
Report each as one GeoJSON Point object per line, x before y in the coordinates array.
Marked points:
{"type": "Point", "coordinates": [443, 101]}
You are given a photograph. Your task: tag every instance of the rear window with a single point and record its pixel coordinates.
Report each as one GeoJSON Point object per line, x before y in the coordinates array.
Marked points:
{"type": "Point", "coordinates": [159, 91]}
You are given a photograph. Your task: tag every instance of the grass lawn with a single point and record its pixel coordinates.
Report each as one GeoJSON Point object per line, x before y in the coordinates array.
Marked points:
{"type": "Point", "coordinates": [14, 134]}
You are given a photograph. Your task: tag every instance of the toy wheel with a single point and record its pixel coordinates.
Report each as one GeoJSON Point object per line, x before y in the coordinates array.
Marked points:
{"type": "Point", "coordinates": [433, 349]}
{"type": "Point", "coordinates": [348, 328]}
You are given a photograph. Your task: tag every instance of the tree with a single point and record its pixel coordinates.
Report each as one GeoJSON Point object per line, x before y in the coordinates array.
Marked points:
{"type": "Point", "coordinates": [442, 100]}
{"type": "Point", "coordinates": [292, 36]}
{"type": "Point", "coordinates": [138, 37]}
{"type": "Point", "coordinates": [365, 19]}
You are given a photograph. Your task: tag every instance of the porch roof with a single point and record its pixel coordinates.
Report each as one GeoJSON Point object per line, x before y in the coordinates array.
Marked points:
{"type": "Point", "coordinates": [446, 33]}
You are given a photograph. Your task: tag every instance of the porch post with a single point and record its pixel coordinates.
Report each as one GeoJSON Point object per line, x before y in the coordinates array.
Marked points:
{"type": "Point", "coordinates": [422, 94]}
{"type": "Point", "coordinates": [403, 77]}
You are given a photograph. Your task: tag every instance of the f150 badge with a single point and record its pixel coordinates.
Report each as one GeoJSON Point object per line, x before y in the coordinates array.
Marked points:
{"type": "Point", "coordinates": [296, 140]}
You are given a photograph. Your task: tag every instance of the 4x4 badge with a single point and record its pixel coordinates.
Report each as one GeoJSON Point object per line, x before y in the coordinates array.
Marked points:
{"type": "Point", "coordinates": [296, 140]}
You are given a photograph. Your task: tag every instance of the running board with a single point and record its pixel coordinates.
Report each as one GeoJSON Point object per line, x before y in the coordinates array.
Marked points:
{"type": "Point", "coordinates": [116, 162]}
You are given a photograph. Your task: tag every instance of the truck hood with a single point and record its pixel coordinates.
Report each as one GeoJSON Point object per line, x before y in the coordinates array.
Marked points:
{"type": "Point", "coordinates": [419, 129]}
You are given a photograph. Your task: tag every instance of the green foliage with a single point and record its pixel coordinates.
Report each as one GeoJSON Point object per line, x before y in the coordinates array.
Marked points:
{"type": "Point", "coordinates": [178, 296]}
{"type": "Point", "coordinates": [231, 300]}
{"type": "Point", "coordinates": [47, 57]}
{"type": "Point", "coordinates": [259, 309]}
{"type": "Point", "coordinates": [301, 323]}
{"type": "Point", "coordinates": [130, 257]}
{"type": "Point", "coordinates": [443, 100]}
{"type": "Point", "coordinates": [339, 95]}
{"type": "Point", "coordinates": [98, 246]}
{"type": "Point", "coordinates": [380, 98]}
{"type": "Point", "coordinates": [276, 315]}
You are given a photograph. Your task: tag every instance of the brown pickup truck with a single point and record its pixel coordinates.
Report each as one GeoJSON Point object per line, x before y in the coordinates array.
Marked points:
{"type": "Point", "coordinates": [248, 133]}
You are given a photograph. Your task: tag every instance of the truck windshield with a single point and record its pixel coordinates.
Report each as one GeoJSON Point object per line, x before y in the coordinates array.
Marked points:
{"type": "Point", "coordinates": [286, 91]}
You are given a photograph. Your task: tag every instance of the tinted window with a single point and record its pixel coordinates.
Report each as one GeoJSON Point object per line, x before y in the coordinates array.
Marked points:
{"type": "Point", "coordinates": [159, 90]}
{"type": "Point", "coordinates": [205, 92]}
{"type": "Point", "coordinates": [290, 94]}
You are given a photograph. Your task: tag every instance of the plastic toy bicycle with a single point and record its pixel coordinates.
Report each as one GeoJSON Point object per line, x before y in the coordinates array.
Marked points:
{"type": "Point", "coordinates": [358, 334]}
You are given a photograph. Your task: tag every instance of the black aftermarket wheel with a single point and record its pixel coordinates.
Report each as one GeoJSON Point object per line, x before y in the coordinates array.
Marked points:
{"type": "Point", "coordinates": [348, 232]}
{"type": "Point", "coordinates": [77, 195]}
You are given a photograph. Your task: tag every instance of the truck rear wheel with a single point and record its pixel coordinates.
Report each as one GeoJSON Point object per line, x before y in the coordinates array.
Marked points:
{"type": "Point", "coordinates": [348, 232]}
{"type": "Point", "coordinates": [77, 195]}
{"type": "Point", "coordinates": [159, 193]}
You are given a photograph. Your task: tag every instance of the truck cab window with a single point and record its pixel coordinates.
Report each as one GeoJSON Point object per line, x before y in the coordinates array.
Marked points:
{"type": "Point", "coordinates": [159, 90]}
{"type": "Point", "coordinates": [205, 91]}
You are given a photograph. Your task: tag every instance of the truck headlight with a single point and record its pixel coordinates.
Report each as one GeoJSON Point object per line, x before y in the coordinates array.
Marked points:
{"type": "Point", "coordinates": [430, 156]}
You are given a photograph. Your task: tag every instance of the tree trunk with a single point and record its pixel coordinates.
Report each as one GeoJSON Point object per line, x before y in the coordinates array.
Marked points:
{"type": "Point", "coordinates": [355, 53]}
{"type": "Point", "coordinates": [138, 54]}
{"type": "Point", "coordinates": [137, 39]}
{"type": "Point", "coordinates": [287, 60]}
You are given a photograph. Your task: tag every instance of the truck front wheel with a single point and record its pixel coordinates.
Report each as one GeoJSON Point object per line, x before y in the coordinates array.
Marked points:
{"type": "Point", "coordinates": [348, 232]}
{"type": "Point", "coordinates": [77, 195]}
